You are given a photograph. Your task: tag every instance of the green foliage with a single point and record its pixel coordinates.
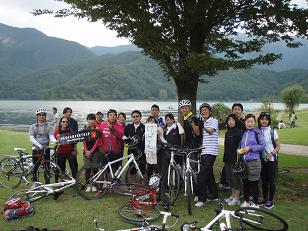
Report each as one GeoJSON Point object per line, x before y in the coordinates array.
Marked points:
{"type": "Point", "coordinates": [192, 38]}
{"type": "Point", "coordinates": [220, 112]}
{"type": "Point", "coordinates": [291, 96]}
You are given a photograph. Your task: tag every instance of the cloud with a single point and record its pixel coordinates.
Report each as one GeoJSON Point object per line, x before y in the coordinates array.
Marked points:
{"type": "Point", "coordinates": [17, 13]}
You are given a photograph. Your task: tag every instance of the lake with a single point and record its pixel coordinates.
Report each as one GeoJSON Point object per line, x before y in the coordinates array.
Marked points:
{"type": "Point", "coordinates": [20, 114]}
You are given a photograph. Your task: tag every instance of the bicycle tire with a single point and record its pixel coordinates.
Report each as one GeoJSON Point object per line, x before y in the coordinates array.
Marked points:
{"type": "Point", "coordinates": [46, 170]}
{"type": "Point", "coordinates": [189, 193]}
{"type": "Point", "coordinates": [84, 185]}
{"type": "Point", "coordinates": [261, 219]}
{"type": "Point", "coordinates": [11, 172]}
{"type": "Point", "coordinates": [171, 184]}
{"type": "Point", "coordinates": [140, 214]}
{"type": "Point", "coordinates": [28, 195]}
{"type": "Point", "coordinates": [133, 178]}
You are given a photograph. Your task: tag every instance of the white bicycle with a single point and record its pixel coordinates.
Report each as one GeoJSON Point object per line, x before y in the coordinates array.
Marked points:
{"type": "Point", "coordinates": [256, 218]}
{"type": "Point", "coordinates": [101, 177]}
{"type": "Point", "coordinates": [39, 190]}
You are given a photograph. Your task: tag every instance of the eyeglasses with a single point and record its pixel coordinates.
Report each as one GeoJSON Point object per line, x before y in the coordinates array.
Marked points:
{"type": "Point", "coordinates": [64, 121]}
{"type": "Point", "coordinates": [136, 116]}
{"type": "Point", "coordinates": [41, 114]}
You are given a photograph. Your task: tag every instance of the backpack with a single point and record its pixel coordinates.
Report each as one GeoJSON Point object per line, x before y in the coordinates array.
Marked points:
{"type": "Point", "coordinates": [16, 208]}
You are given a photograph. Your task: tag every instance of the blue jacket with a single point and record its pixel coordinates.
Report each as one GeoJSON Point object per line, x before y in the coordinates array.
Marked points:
{"type": "Point", "coordinates": [256, 146]}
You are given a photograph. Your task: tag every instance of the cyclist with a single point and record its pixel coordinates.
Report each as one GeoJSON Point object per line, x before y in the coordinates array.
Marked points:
{"type": "Point", "coordinates": [209, 153]}
{"type": "Point", "coordinates": [99, 118]}
{"type": "Point", "coordinates": [65, 151]}
{"type": "Point", "coordinates": [191, 125]}
{"type": "Point", "coordinates": [90, 151]}
{"type": "Point", "coordinates": [136, 130]}
{"type": "Point", "coordinates": [40, 134]}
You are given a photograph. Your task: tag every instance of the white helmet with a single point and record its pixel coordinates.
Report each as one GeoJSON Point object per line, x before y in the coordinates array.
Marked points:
{"type": "Point", "coordinates": [41, 110]}
{"type": "Point", "coordinates": [184, 102]}
{"type": "Point", "coordinates": [154, 182]}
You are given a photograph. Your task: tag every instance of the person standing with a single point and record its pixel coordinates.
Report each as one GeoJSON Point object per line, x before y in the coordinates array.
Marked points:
{"type": "Point", "coordinates": [135, 131]}
{"type": "Point", "coordinates": [232, 139]}
{"type": "Point", "coordinates": [99, 118]}
{"type": "Point", "coordinates": [40, 134]}
{"type": "Point", "coordinates": [293, 118]}
{"type": "Point", "coordinates": [73, 125]}
{"type": "Point", "coordinates": [209, 153]}
{"type": "Point", "coordinates": [251, 145]}
{"type": "Point", "coordinates": [65, 151]}
{"type": "Point", "coordinates": [55, 119]}
{"type": "Point", "coordinates": [155, 113]}
{"type": "Point", "coordinates": [269, 160]}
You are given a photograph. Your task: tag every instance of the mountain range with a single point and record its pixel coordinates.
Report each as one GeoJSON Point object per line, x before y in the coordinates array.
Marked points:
{"type": "Point", "coordinates": [35, 66]}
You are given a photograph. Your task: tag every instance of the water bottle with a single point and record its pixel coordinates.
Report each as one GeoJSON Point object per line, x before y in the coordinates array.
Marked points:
{"type": "Point", "coordinates": [118, 171]}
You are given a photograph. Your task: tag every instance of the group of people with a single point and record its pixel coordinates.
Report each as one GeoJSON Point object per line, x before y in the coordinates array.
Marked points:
{"type": "Point", "coordinates": [254, 147]}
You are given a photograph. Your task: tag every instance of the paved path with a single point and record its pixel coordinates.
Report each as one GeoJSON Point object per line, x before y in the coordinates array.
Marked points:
{"type": "Point", "coordinates": [289, 149]}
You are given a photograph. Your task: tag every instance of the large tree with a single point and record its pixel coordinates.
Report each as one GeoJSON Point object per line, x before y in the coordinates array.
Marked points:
{"type": "Point", "coordinates": [291, 96]}
{"type": "Point", "coordinates": [191, 38]}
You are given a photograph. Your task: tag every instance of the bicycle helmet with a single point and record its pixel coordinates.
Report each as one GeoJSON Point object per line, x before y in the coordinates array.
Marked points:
{"type": "Point", "coordinates": [154, 182]}
{"type": "Point", "coordinates": [184, 102]}
{"type": "Point", "coordinates": [41, 110]}
{"type": "Point", "coordinates": [205, 105]}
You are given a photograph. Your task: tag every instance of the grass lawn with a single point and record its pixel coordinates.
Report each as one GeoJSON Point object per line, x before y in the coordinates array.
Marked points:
{"type": "Point", "coordinates": [73, 213]}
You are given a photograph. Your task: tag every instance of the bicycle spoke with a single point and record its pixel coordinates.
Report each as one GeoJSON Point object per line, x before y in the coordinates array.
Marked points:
{"type": "Point", "coordinates": [11, 172]}
{"type": "Point", "coordinates": [139, 213]}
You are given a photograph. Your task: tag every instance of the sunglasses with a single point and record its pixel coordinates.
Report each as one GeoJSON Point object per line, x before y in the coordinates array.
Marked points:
{"type": "Point", "coordinates": [264, 113]}
{"type": "Point", "coordinates": [41, 114]}
{"type": "Point", "coordinates": [64, 121]}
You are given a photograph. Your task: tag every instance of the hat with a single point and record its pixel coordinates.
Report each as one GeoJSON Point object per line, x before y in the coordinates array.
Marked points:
{"type": "Point", "coordinates": [99, 113]}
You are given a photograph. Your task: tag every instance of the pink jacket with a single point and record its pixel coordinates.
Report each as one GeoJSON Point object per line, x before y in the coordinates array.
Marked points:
{"type": "Point", "coordinates": [111, 139]}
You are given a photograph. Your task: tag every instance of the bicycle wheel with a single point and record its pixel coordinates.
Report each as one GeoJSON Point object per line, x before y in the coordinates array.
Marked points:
{"type": "Point", "coordinates": [11, 172]}
{"type": "Point", "coordinates": [189, 192]}
{"type": "Point", "coordinates": [86, 182]}
{"type": "Point", "coordinates": [125, 189]}
{"type": "Point", "coordinates": [171, 184]}
{"type": "Point", "coordinates": [133, 177]}
{"type": "Point", "coordinates": [29, 195]}
{"type": "Point", "coordinates": [140, 213]}
{"type": "Point", "coordinates": [48, 172]}
{"type": "Point", "coordinates": [261, 219]}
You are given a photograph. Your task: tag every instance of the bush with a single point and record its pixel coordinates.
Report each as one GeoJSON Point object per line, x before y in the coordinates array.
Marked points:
{"type": "Point", "coordinates": [220, 112]}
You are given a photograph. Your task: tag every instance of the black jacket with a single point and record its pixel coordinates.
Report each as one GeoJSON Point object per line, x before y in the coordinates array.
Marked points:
{"type": "Point", "coordinates": [232, 139]}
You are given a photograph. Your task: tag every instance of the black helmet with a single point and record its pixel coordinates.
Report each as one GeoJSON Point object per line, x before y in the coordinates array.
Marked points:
{"type": "Point", "coordinates": [205, 105]}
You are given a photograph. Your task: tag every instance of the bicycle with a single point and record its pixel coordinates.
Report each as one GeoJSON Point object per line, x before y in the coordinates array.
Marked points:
{"type": "Point", "coordinates": [100, 175]}
{"type": "Point", "coordinates": [141, 207]}
{"type": "Point", "coordinates": [187, 174]}
{"type": "Point", "coordinates": [14, 170]}
{"type": "Point", "coordinates": [38, 190]}
{"type": "Point", "coordinates": [253, 217]}
{"type": "Point", "coordinates": [145, 226]}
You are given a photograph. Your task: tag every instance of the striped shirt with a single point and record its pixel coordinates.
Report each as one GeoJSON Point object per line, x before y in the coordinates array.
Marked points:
{"type": "Point", "coordinates": [210, 141]}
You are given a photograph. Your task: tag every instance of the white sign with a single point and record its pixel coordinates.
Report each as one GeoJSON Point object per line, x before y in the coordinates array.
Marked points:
{"type": "Point", "coordinates": [150, 137]}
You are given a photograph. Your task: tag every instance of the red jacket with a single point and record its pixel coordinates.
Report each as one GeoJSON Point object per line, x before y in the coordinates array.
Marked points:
{"type": "Point", "coordinates": [111, 139]}
{"type": "Point", "coordinates": [64, 148]}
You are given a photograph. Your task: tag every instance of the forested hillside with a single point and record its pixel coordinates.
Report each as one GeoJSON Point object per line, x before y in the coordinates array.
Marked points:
{"type": "Point", "coordinates": [35, 66]}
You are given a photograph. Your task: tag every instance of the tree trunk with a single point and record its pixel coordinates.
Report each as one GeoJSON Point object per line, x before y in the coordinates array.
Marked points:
{"type": "Point", "coordinates": [187, 89]}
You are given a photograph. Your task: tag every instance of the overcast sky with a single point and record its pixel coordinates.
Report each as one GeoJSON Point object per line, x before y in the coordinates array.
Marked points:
{"type": "Point", "coordinates": [17, 13]}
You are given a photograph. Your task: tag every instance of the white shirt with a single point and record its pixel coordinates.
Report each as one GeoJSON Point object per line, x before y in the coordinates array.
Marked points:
{"type": "Point", "coordinates": [210, 141]}
{"type": "Point", "coordinates": [268, 140]}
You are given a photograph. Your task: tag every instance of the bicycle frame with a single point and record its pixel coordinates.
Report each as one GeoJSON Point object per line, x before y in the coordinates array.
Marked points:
{"type": "Point", "coordinates": [108, 166]}
{"type": "Point", "coordinates": [188, 168]}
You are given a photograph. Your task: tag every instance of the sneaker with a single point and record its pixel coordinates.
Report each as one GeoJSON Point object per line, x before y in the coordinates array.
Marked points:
{"type": "Point", "coordinates": [245, 204]}
{"type": "Point", "coordinates": [88, 189]}
{"type": "Point", "coordinates": [196, 199]}
{"type": "Point", "coordinates": [261, 203]}
{"type": "Point", "coordinates": [234, 201]}
{"type": "Point", "coordinates": [269, 205]}
{"type": "Point", "coordinates": [229, 199]}
{"type": "Point", "coordinates": [199, 204]}
{"type": "Point", "coordinates": [211, 198]}
{"type": "Point", "coordinates": [94, 189]}
{"type": "Point", "coordinates": [224, 186]}
{"type": "Point", "coordinates": [253, 205]}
